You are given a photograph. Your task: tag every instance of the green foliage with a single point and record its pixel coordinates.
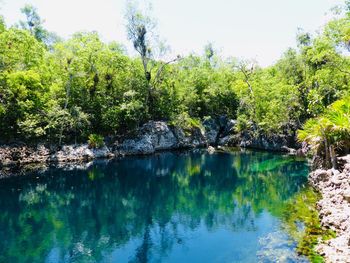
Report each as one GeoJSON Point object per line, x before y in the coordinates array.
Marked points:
{"type": "Point", "coordinates": [330, 130]}
{"type": "Point", "coordinates": [19, 51]}
{"type": "Point", "coordinates": [60, 91]}
{"type": "Point", "coordinates": [95, 141]}
{"type": "Point", "coordinates": [185, 122]}
{"type": "Point", "coordinates": [2, 24]}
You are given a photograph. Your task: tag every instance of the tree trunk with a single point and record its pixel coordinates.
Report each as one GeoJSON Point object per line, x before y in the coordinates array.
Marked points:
{"type": "Point", "coordinates": [326, 150]}
{"type": "Point", "coordinates": [333, 157]}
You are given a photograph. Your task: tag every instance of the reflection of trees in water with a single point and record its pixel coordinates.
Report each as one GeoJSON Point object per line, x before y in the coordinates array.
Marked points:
{"type": "Point", "coordinates": [86, 215]}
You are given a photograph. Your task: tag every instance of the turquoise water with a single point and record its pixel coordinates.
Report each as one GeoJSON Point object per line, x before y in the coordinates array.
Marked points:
{"type": "Point", "coordinates": [169, 207]}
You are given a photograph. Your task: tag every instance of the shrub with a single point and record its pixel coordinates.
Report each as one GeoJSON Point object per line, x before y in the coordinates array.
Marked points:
{"type": "Point", "coordinates": [187, 123]}
{"type": "Point", "coordinates": [95, 141]}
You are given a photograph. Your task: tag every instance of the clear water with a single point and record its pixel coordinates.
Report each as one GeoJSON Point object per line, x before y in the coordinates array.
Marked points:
{"type": "Point", "coordinates": [169, 207]}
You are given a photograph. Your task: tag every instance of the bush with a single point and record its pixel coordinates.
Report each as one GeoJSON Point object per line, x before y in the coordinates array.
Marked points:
{"type": "Point", "coordinates": [187, 123]}
{"type": "Point", "coordinates": [96, 141]}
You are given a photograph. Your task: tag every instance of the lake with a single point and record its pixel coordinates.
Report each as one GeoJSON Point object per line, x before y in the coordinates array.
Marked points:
{"type": "Point", "coordinates": [169, 207]}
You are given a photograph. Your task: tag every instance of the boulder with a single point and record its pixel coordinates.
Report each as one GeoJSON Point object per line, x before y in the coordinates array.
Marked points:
{"type": "Point", "coordinates": [190, 139]}
{"type": "Point", "coordinates": [153, 136]}
{"type": "Point", "coordinates": [162, 137]}
{"type": "Point", "coordinates": [211, 150]}
{"type": "Point", "coordinates": [142, 145]}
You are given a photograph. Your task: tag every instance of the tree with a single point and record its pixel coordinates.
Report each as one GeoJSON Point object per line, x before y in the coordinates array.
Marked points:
{"type": "Point", "coordinates": [33, 23]}
{"type": "Point", "coordinates": [329, 133]}
{"type": "Point", "coordinates": [141, 32]}
{"type": "Point", "coordinates": [2, 24]}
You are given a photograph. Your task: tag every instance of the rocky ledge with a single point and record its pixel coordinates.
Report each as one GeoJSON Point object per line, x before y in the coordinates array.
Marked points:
{"type": "Point", "coordinates": [151, 137]}
{"type": "Point", "coordinates": [334, 209]}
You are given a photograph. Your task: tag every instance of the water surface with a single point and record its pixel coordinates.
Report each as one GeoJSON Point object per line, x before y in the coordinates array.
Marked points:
{"type": "Point", "coordinates": [169, 207]}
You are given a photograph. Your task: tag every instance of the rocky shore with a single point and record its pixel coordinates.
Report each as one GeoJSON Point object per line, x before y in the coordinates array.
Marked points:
{"type": "Point", "coordinates": [151, 137]}
{"type": "Point", "coordinates": [154, 136]}
{"type": "Point", "coordinates": [334, 209]}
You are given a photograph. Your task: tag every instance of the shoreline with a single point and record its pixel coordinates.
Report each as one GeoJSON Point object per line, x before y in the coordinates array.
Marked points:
{"type": "Point", "coordinates": [334, 210]}
{"type": "Point", "coordinates": [152, 137]}
{"type": "Point", "coordinates": [327, 182]}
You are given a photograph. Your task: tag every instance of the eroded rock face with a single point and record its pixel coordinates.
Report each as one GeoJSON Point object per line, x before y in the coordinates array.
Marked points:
{"type": "Point", "coordinates": [220, 131]}
{"type": "Point", "coordinates": [334, 210]}
{"type": "Point", "coordinates": [142, 145]}
{"type": "Point", "coordinates": [273, 143]}
{"type": "Point", "coordinates": [71, 153]}
{"type": "Point", "coordinates": [23, 154]}
{"type": "Point", "coordinates": [212, 129]}
{"type": "Point", "coordinates": [151, 137]}
{"type": "Point", "coordinates": [157, 135]}
{"type": "Point", "coordinates": [18, 160]}
{"type": "Point", "coordinates": [161, 136]}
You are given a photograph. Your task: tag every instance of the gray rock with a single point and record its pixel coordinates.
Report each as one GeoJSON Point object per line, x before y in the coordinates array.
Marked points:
{"type": "Point", "coordinates": [211, 130]}
{"type": "Point", "coordinates": [273, 143]}
{"type": "Point", "coordinates": [71, 153]}
{"type": "Point", "coordinates": [225, 140]}
{"type": "Point", "coordinates": [153, 136]}
{"type": "Point", "coordinates": [142, 145]}
{"type": "Point", "coordinates": [320, 175]}
{"type": "Point", "coordinates": [229, 128]}
{"type": "Point", "coordinates": [162, 137]}
{"type": "Point", "coordinates": [334, 210]}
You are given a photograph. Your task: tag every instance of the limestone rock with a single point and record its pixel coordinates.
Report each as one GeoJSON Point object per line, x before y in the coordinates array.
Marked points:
{"type": "Point", "coordinates": [334, 210]}
{"type": "Point", "coordinates": [211, 130]}
{"type": "Point", "coordinates": [211, 150]}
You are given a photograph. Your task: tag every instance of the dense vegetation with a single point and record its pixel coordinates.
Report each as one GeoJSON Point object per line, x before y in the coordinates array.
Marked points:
{"type": "Point", "coordinates": [59, 91]}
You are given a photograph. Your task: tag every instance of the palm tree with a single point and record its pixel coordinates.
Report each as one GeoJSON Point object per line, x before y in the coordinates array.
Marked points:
{"type": "Point", "coordinates": [329, 133]}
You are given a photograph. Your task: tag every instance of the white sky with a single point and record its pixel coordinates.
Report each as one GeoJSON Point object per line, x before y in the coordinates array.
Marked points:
{"type": "Point", "coordinates": [257, 29]}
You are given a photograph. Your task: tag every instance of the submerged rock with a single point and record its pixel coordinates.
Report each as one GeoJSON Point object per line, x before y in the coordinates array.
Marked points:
{"type": "Point", "coordinates": [276, 247]}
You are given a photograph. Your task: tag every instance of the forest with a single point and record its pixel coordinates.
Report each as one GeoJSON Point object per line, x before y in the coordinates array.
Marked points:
{"type": "Point", "coordinates": [60, 91]}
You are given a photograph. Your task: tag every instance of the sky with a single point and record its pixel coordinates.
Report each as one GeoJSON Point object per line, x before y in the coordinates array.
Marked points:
{"type": "Point", "coordinates": [248, 29]}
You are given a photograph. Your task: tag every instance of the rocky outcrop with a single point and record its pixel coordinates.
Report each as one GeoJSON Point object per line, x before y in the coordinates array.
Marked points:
{"type": "Point", "coordinates": [220, 131]}
{"type": "Point", "coordinates": [21, 155]}
{"type": "Point", "coordinates": [334, 209]}
{"type": "Point", "coordinates": [212, 130]}
{"type": "Point", "coordinates": [151, 137]}
{"type": "Point", "coordinates": [156, 136]}
{"type": "Point", "coordinates": [73, 153]}
{"type": "Point", "coordinates": [271, 143]}
{"type": "Point", "coordinates": [285, 141]}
